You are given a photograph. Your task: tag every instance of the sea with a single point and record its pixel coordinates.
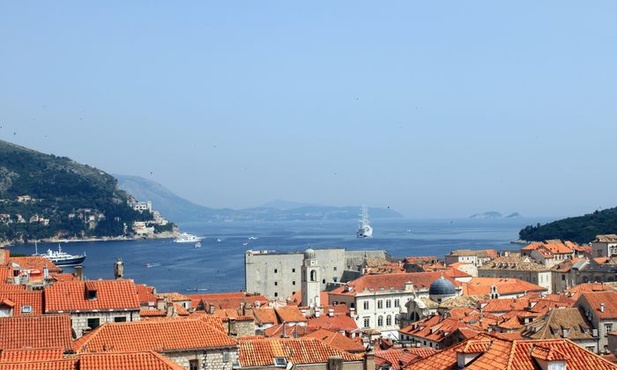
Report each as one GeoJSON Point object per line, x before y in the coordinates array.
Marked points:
{"type": "Point", "coordinates": [218, 265]}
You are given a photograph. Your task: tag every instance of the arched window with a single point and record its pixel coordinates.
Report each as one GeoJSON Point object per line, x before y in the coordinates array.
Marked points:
{"type": "Point", "coordinates": [313, 275]}
{"type": "Point", "coordinates": [388, 320]}
{"type": "Point", "coordinates": [379, 320]}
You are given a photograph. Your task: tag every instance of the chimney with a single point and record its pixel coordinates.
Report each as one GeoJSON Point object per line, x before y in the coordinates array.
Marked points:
{"type": "Point", "coordinates": [409, 286]}
{"type": "Point", "coordinates": [369, 360]}
{"type": "Point", "coordinates": [45, 272]}
{"type": "Point", "coordinates": [79, 272]}
{"type": "Point", "coordinates": [602, 307]}
{"type": "Point", "coordinates": [335, 363]}
{"type": "Point", "coordinates": [330, 312]}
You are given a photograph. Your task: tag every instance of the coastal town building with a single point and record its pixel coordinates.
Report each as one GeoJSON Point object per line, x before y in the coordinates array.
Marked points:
{"type": "Point", "coordinates": [523, 268]}
{"type": "Point", "coordinates": [600, 308]}
{"type": "Point", "coordinates": [604, 246]}
{"type": "Point", "coordinates": [191, 343]}
{"type": "Point", "coordinates": [278, 276]}
{"type": "Point", "coordinates": [378, 301]}
{"type": "Point", "coordinates": [92, 303]}
{"type": "Point", "coordinates": [300, 353]}
{"type": "Point", "coordinates": [486, 351]}
{"type": "Point", "coordinates": [476, 257]}
{"type": "Point", "coordinates": [569, 323]}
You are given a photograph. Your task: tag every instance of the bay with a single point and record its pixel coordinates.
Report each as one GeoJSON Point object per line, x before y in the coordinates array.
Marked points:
{"type": "Point", "coordinates": [218, 266]}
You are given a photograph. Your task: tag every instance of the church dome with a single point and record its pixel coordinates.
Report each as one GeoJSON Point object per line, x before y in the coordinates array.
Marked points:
{"type": "Point", "coordinates": [309, 254]}
{"type": "Point", "coordinates": [441, 287]}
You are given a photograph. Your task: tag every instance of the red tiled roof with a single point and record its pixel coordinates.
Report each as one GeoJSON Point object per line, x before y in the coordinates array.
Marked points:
{"type": "Point", "coordinates": [435, 328]}
{"type": "Point", "coordinates": [40, 331]}
{"type": "Point", "coordinates": [71, 296]}
{"type": "Point", "coordinates": [127, 361]}
{"type": "Point", "coordinates": [35, 263]}
{"type": "Point", "coordinates": [265, 315]}
{"type": "Point", "coordinates": [606, 299]}
{"type": "Point", "coordinates": [514, 355]}
{"type": "Point", "coordinates": [394, 281]}
{"type": "Point", "coordinates": [227, 300]}
{"type": "Point", "coordinates": [299, 351]}
{"type": "Point", "coordinates": [505, 286]}
{"type": "Point", "coordinates": [400, 357]}
{"type": "Point", "coordinates": [31, 354]}
{"type": "Point", "coordinates": [337, 340]}
{"type": "Point", "coordinates": [289, 314]}
{"type": "Point", "coordinates": [146, 294]}
{"type": "Point", "coordinates": [338, 322]}
{"type": "Point", "coordinates": [22, 298]}
{"type": "Point", "coordinates": [63, 364]}
{"type": "Point", "coordinates": [165, 335]}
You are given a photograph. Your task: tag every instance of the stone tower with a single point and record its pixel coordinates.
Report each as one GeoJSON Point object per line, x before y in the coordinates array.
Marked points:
{"type": "Point", "coordinates": [310, 280]}
{"type": "Point", "coordinates": [119, 268]}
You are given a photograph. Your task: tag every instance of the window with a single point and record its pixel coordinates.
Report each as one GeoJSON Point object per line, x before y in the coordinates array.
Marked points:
{"type": "Point", "coordinates": [379, 320]}
{"type": "Point", "coordinates": [293, 270]}
{"type": "Point", "coordinates": [94, 323]}
{"type": "Point", "coordinates": [323, 281]}
{"type": "Point", "coordinates": [388, 303]}
{"type": "Point", "coordinates": [563, 276]}
{"type": "Point", "coordinates": [367, 322]}
{"type": "Point", "coordinates": [91, 294]}
{"type": "Point", "coordinates": [608, 328]}
{"type": "Point", "coordinates": [388, 320]}
{"type": "Point", "coordinates": [397, 302]}
{"type": "Point", "coordinates": [335, 279]}
{"type": "Point", "coordinates": [276, 294]}
{"type": "Point", "coordinates": [275, 271]}
{"type": "Point", "coordinates": [26, 309]}
{"type": "Point", "coordinates": [225, 356]}
{"type": "Point", "coordinates": [380, 304]}
{"type": "Point", "coordinates": [193, 364]}
{"type": "Point", "coordinates": [293, 282]}
{"type": "Point", "coordinates": [280, 361]}
{"type": "Point", "coordinates": [276, 283]}
{"type": "Point", "coordinates": [365, 305]}
{"type": "Point", "coordinates": [120, 319]}
{"type": "Point", "coordinates": [334, 268]}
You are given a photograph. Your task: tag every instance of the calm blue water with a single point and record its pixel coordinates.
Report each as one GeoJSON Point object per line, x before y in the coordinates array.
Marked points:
{"type": "Point", "coordinates": [219, 266]}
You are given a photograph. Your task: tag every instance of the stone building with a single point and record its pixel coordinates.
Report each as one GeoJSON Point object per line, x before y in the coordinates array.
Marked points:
{"type": "Point", "coordinates": [94, 302]}
{"type": "Point", "coordinates": [192, 343]}
{"type": "Point", "coordinates": [600, 308]}
{"type": "Point", "coordinates": [604, 246]}
{"type": "Point", "coordinates": [279, 275]}
{"type": "Point", "coordinates": [522, 268]}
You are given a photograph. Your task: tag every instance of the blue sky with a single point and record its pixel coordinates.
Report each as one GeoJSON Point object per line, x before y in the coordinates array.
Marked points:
{"type": "Point", "coordinates": [435, 109]}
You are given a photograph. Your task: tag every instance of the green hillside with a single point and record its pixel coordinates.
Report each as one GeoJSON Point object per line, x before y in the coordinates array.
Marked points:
{"type": "Point", "coordinates": [44, 196]}
{"type": "Point", "coordinates": [581, 229]}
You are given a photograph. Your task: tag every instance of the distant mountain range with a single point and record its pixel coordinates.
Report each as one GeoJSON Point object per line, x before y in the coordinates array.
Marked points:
{"type": "Point", "coordinates": [180, 210]}
{"type": "Point", "coordinates": [494, 215]}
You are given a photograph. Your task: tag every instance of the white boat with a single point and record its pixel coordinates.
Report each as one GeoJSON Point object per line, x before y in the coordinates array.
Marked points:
{"type": "Point", "coordinates": [187, 238]}
{"type": "Point", "coordinates": [60, 258]}
{"type": "Point", "coordinates": [364, 230]}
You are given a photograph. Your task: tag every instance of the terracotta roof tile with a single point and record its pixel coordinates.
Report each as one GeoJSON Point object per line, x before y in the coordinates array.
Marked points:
{"type": "Point", "coordinates": [289, 314]}
{"type": "Point", "coordinates": [64, 364]}
{"type": "Point", "coordinates": [337, 322]}
{"type": "Point", "coordinates": [265, 315]}
{"type": "Point", "coordinates": [514, 355]}
{"type": "Point", "coordinates": [505, 286]}
{"type": "Point", "coordinates": [35, 263]}
{"type": "Point", "coordinates": [25, 302]}
{"type": "Point", "coordinates": [596, 300]}
{"type": "Point", "coordinates": [164, 335]}
{"type": "Point", "coordinates": [146, 294]}
{"type": "Point", "coordinates": [72, 296]}
{"type": "Point", "coordinates": [400, 357]}
{"type": "Point", "coordinates": [299, 351]}
{"type": "Point", "coordinates": [31, 355]}
{"type": "Point", "coordinates": [337, 340]}
{"type": "Point", "coordinates": [40, 331]}
{"type": "Point", "coordinates": [127, 361]}
{"type": "Point", "coordinates": [420, 280]}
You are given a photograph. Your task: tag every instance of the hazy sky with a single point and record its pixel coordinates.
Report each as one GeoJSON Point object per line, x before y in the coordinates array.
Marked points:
{"type": "Point", "coordinates": [432, 108]}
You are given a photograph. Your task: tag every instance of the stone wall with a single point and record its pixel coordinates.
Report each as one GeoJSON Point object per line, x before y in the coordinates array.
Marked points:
{"type": "Point", "coordinates": [79, 320]}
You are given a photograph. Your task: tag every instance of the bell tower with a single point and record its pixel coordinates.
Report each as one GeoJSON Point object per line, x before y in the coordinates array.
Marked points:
{"type": "Point", "coordinates": [310, 280]}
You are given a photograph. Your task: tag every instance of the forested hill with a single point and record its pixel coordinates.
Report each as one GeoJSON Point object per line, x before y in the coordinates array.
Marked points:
{"type": "Point", "coordinates": [581, 229]}
{"type": "Point", "coordinates": [44, 196]}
